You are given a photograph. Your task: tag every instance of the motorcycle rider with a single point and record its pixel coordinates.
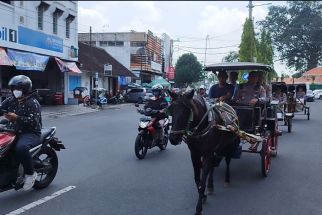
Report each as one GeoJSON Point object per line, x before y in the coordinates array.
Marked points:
{"type": "Point", "coordinates": [24, 115]}
{"type": "Point", "coordinates": [157, 103]}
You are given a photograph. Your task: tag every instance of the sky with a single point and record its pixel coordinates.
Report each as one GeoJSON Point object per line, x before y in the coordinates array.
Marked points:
{"type": "Point", "coordinates": [187, 22]}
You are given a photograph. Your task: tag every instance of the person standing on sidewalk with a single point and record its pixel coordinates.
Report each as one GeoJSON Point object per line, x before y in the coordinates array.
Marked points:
{"type": "Point", "coordinates": [24, 115]}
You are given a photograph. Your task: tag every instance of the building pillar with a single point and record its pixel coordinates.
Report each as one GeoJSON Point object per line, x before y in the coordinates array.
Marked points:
{"type": "Point", "coordinates": [66, 87]}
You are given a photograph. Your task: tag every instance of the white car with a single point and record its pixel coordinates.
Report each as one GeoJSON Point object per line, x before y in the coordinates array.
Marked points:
{"type": "Point", "coordinates": [317, 94]}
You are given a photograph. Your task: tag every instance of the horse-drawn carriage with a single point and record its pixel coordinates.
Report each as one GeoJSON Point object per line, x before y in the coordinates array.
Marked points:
{"type": "Point", "coordinates": [281, 100]}
{"type": "Point", "coordinates": [297, 100]}
{"type": "Point", "coordinates": [210, 138]}
{"type": "Point", "coordinates": [258, 125]}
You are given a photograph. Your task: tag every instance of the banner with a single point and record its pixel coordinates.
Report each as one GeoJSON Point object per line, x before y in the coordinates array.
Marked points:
{"type": "Point", "coordinates": [4, 59]}
{"type": "Point", "coordinates": [28, 61]}
{"type": "Point", "coordinates": [67, 66]}
{"type": "Point", "coordinates": [40, 40]}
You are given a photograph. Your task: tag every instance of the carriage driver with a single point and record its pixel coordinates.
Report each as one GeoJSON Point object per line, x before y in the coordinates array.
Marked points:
{"type": "Point", "coordinates": [251, 93]}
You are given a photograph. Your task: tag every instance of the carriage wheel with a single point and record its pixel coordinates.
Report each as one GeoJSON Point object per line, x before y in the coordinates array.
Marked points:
{"type": "Point", "coordinates": [289, 125]}
{"type": "Point", "coordinates": [266, 154]}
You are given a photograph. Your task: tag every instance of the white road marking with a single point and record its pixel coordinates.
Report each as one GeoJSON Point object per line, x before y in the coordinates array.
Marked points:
{"type": "Point", "coordinates": [41, 201]}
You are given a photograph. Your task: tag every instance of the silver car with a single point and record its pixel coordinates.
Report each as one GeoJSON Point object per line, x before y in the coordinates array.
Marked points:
{"type": "Point", "coordinates": [138, 95]}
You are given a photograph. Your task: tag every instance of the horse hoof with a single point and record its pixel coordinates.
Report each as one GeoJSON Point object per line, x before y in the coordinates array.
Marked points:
{"type": "Point", "coordinates": [210, 190]}
{"type": "Point", "coordinates": [226, 184]}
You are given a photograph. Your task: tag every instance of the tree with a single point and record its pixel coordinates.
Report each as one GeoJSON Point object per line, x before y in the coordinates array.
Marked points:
{"type": "Point", "coordinates": [188, 70]}
{"type": "Point", "coordinates": [265, 52]}
{"type": "Point", "coordinates": [296, 31]}
{"type": "Point", "coordinates": [231, 57]}
{"type": "Point", "coordinates": [247, 47]}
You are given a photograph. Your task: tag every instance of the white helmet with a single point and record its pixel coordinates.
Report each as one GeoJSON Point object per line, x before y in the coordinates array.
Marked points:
{"type": "Point", "coordinates": [202, 87]}
{"type": "Point", "coordinates": [157, 87]}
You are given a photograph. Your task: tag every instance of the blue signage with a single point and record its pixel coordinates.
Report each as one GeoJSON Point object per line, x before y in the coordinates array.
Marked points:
{"type": "Point", "coordinates": [28, 61]}
{"type": "Point", "coordinates": [40, 40]}
{"type": "Point", "coordinates": [245, 76]}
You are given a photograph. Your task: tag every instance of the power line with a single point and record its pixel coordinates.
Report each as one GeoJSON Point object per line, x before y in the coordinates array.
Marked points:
{"type": "Point", "coordinates": [219, 53]}
{"type": "Point", "coordinates": [208, 47]}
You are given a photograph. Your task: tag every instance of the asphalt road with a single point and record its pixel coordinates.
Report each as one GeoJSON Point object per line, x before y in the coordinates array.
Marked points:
{"type": "Point", "coordinates": [109, 179]}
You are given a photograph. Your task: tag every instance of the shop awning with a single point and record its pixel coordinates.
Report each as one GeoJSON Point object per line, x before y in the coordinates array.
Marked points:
{"type": "Point", "coordinates": [28, 61]}
{"type": "Point", "coordinates": [67, 66]}
{"type": "Point", "coordinates": [4, 58]}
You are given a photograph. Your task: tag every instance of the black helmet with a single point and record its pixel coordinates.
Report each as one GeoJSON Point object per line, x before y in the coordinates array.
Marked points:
{"type": "Point", "coordinates": [21, 81]}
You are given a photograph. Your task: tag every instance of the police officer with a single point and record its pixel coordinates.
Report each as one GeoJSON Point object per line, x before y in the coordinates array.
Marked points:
{"type": "Point", "coordinates": [23, 113]}
{"type": "Point", "coordinates": [251, 93]}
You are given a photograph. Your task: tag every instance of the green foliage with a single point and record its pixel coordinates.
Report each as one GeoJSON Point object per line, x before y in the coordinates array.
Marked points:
{"type": "Point", "coordinates": [296, 31]}
{"type": "Point", "coordinates": [247, 47]}
{"type": "Point", "coordinates": [188, 70]}
{"type": "Point", "coordinates": [265, 52]}
{"type": "Point", "coordinates": [231, 57]}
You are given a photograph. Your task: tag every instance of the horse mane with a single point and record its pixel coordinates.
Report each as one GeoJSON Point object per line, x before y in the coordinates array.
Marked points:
{"type": "Point", "coordinates": [199, 108]}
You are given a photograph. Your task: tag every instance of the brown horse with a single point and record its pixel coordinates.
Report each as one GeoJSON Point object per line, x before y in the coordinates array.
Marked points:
{"type": "Point", "coordinates": [206, 143]}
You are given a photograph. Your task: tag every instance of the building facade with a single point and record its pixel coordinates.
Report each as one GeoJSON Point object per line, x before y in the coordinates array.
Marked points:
{"type": "Point", "coordinates": [140, 52]}
{"type": "Point", "coordinates": [40, 37]}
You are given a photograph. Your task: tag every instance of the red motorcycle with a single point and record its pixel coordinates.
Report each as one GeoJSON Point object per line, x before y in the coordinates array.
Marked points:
{"type": "Point", "coordinates": [152, 133]}
{"type": "Point", "coordinates": [44, 158]}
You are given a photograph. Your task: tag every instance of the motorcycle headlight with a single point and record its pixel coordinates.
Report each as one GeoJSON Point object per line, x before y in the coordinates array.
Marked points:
{"type": "Point", "coordinates": [143, 124]}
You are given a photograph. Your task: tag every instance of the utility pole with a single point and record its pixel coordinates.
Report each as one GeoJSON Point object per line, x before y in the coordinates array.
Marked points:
{"type": "Point", "coordinates": [250, 10]}
{"type": "Point", "coordinates": [204, 62]}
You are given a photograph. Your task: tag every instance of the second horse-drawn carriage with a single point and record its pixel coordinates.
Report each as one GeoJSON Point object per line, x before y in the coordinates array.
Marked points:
{"type": "Point", "coordinates": [297, 99]}
{"type": "Point", "coordinates": [280, 104]}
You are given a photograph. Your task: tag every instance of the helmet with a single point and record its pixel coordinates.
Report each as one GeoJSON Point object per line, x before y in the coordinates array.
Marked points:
{"type": "Point", "coordinates": [157, 87]}
{"type": "Point", "coordinates": [22, 82]}
{"type": "Point", "coordinates": [202, 87]}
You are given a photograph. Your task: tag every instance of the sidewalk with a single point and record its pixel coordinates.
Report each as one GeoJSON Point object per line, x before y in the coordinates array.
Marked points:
{"type": "Point", "coordinates": [72, 110]}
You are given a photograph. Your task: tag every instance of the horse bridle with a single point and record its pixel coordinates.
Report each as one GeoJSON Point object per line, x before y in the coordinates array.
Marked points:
{"type": "Point", "coordinates": [189, 133]}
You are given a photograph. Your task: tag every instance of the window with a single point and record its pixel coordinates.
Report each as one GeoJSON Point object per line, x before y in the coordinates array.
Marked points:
{"type": "Point", "coordinates": [93, 43]}
{"type": "Point", "coordinates": [111, 43]}
{"type": "Point", "coordinates": [137, 44]}
{"type": "Point", "coordinates": [40, 17]}
{"type": "Point", "coordinates": [103, 43]}
{"type": "Point", "coordinates": [119, 43]}
{"type": "Point", "coordinates": [67, 28]}
{"type": "Point", "coordinates": [55, 22]}
{"type": "Point", "coordinates": [115, 43]}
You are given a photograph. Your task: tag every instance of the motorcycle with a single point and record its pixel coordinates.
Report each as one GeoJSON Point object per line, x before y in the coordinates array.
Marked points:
{"type": "Point", "coordinates": [151, 133]}
{"type": "Point", "coordinates": [118, 99]}
{"type": "Point", "coordinates": [44, 159]}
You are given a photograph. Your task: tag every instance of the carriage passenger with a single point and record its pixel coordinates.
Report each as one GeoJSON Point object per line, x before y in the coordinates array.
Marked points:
{"type": "Point", "coordinates": [221, 91]}
{"type": "Point", "coordinates": [300, 93]}
{"type": "Point", "coordinates": [280, 96]}
{"type": "Point", "coordinates": [233, 76]}
{"type": "Point", "coordinates": [251, 93]}
{"type": "Point", "coordinates": [267, 87]}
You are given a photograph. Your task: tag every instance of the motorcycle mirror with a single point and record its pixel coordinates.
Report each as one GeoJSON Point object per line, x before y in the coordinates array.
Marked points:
{"type": "Point", "coordinates": [137, 105]}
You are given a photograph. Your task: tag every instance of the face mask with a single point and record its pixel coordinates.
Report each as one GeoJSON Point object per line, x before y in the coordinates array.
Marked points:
{"type": "Point", "coordinates": [17, 93]}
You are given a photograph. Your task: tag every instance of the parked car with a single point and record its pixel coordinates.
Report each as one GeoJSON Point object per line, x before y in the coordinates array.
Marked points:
{"type": "Point", "coordinates": [138, 95]}
{"type": "Point", "coordinates": [309, 97]}
{"type": "Point", "coordinates": [317, 94]}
